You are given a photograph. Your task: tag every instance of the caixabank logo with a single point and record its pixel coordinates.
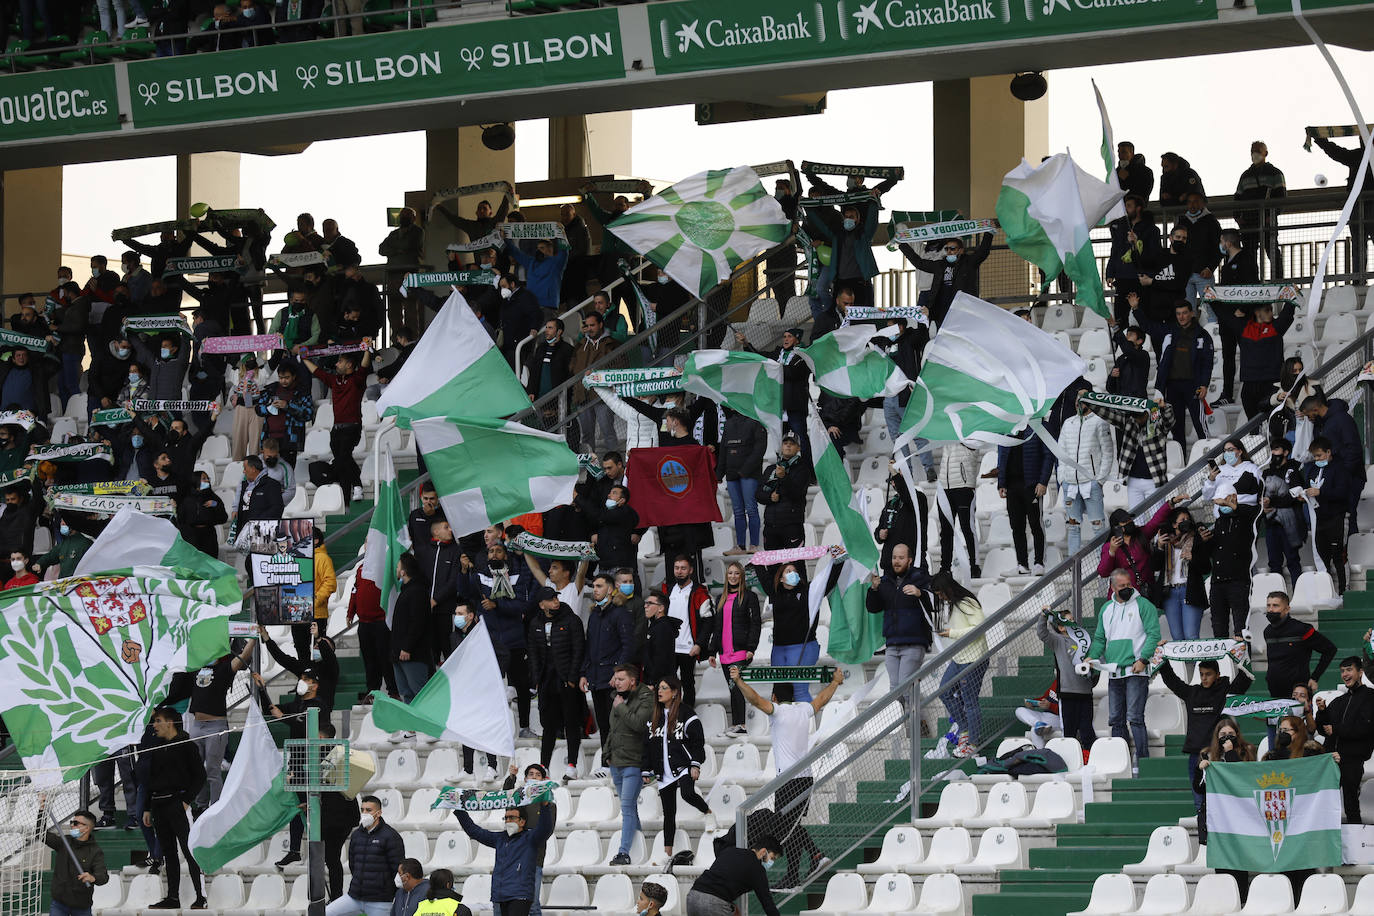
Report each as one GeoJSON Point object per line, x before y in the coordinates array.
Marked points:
{"type": "Point", "coordinates": [763, 29]}
{"type": "Point", "coordinates": [860, 20]}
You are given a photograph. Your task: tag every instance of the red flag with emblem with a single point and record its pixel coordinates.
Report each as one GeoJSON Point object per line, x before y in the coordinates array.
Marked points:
{"type": "Point", "coordinates": [675, 485]}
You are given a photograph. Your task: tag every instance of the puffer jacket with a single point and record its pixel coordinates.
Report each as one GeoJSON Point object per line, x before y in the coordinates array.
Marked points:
{"type": "Point", "coordinates": [640, 431]}
{"type": "Point", "coordinates": [1088, 440]}
{"type": "Point", "coordinates": [562, 652]}
{"type": "Point", "coordinates": [746, 626]}
{"type": "Point", "coordinates": [512, 875]}
{"type": "Point", "coordinates": [629, 722]}
{"type": "Point", "coordinates": [741, 448]}
{"type": "Point", "coordinates": [959, 466]}
{"type": "Point", "coordinates": [373, 857]}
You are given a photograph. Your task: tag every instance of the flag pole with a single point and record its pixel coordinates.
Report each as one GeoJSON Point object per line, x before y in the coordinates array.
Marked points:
{"type": "Point", "coordinates": [66, 844]}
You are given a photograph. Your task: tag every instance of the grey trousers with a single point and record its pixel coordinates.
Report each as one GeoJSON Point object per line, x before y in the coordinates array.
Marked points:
{"type": "Point", "coordinates": [212, 737]}
{"type": "Point", "coordinates": [699, 904]}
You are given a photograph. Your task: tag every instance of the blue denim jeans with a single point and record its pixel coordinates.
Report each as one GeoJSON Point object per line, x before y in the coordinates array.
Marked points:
{"type": "Point", "coordinates": [1281, 551]}
{"type": "Point", "coordinates": [801, 654]}
{"type": "Point", "coordinates": [628, 781]}
{"type": "Point", "coordinates": [410, 677]}
{"type": "Point", "coordinates": [1185, 620]}
{"type": "Point", "coordinates": [962, 699]}
{"type": "Point", "coordinates": [742, 492]}
{"type": "Point", "coordinates": [1198, 797]}
{"type": "Point", "coordinates": [892, 416]}
{"type": "Point", "coordinates": [1196, 284]}
{"type": "Point", "coordinates": [61, 909]}
{"type": "Point", "coordinates": [1126, 706]}
{"type": "Point", "coordinates": [69, 382]}
{"type": "Point", "coordinates": [1085, 505]}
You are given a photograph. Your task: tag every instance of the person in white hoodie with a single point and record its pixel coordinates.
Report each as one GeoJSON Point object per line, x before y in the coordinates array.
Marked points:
{"type": "Point", "coordinates": [1087, 440]}
{"type": "Point", "coordinates": [958, 480]}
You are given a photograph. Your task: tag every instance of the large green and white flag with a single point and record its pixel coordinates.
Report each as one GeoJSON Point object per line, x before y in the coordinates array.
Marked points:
{"type": "Point", "coordinates": [855, 634]}
{"type": "Point", "coordinates": [86, 659]}
{"type": "Point", "coordinates": [847, 503]}
{"type": "Point", "coordinates": [847, 365]}
{"type": "Point", "coordinates": [455, 368]}
{"type": "Point", "coordinates": [464, 702]}
{"type": "Point", "coordinates": [388, 536]}
{"type": "Point", "coordinates": [704, 226]}
{"type": "Point", "coordinates": [1108, 154]}
{"type": "Point", "coordinates": [1281, 815]}
{"type": "Point", "coordinates": [1047, 211]}
{"type": "Point", "coordinates": [985, 376]}
{"type": "Point", "coordinates": [742, 381]}
{"type": "Point", "coordinates": [254, 805]}
{"type": "Point", "coordinates": [488, 471]}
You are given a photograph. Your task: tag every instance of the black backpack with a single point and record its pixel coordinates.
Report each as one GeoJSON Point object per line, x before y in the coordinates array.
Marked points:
{"type": "Point", "coordinates": [1024, 761]}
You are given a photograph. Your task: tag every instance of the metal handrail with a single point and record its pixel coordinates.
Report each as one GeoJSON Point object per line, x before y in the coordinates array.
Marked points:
{"type": "Point", "coordinates": [1037, 595]}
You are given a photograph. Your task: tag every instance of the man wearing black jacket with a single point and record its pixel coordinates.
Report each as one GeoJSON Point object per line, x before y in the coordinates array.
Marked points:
{"type": "Point", "coordinates": [1289, 644]}
{"type": "Point", "coordinates": [1163, 279]}
{"type": "Point", "coordinates": [1135, 242]}
{"type": "Point", "coordinates": [956, 272]}
{"type": "Point", "coordinates": [610, 642]}
{"type": "Point", "coordinates": [1348, 723]}
{"type": "Point", "coordinates": [660, 639]}
{"type": "Point", "coordinates": [1205, 701]}
{"type": "Point", "coordinates": [1237, 266]}
{"type": "Point", "coordinates": [1329, 489]}
{"type": "Point", "coordinates": [1362, 217]}
{"type": "Point", "coordinates": [1204, 244]}
{"type": "Point", "coordinates": [783, 495]}
{"type": "Point", "coordinates": [557, 649]}
{"type": "Point", "coordinates": [796, 379]}
{"type": "Point", "coordinates": [175, 776]}
{"type": "Point", "coordinates": [440, 556]}
{"type": "Point", "coordinates": [1131, 373]}
{"type": "Point", "coordinates": [1133, 175]}
{"type": "Point", "coordinates": [548, 359]}
{"type": "Point", "coordinates": [1331, 418]}
{"type": "Point", "coordinates": [615, 537]}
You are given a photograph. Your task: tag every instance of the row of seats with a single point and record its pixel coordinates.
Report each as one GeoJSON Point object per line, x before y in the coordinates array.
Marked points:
{"type": "Point", "coordinates": [1218, 895]}
{"type": "Point", "coordinates": [847, 893]}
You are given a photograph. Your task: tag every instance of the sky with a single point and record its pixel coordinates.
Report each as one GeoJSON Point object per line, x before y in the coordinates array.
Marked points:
{"type": "Point", "coordinates": [1206, 109]}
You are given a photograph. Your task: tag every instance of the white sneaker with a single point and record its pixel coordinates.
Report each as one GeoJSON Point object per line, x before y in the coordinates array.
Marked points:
{"type": "Point", "coordinates": [1022, 571]}
{"type": "Point", "coordinates": [137, 22]}
{"type": "Point", "coordinates": [489, 775]}
{"type": "Point", "coordinates": [357, 493]}
{"type": "Point", "coordinates": [711, 825]}
{"type": "Point", "coordinates": [735, 731]}
{"type": "Point", "coordinates": [1038, 569]}
{"type": "Point", "coordinates": [399, 737]}
{"type": "Point", "coordinates": [569, 772]}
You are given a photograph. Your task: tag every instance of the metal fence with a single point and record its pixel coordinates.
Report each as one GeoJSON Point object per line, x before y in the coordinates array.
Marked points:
{"type": "Point", "coordinates": [870, 773]}
{"type": "Point", "coordinates": [1289, 239]}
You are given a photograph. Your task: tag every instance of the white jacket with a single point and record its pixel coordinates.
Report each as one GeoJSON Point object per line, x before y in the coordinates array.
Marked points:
{"type": "Point", "coordinates": [959, 466]}
{"type": "Point", "coordinates": [1087, 440]}
{"type": "Point", "coordinates": [639, 429]}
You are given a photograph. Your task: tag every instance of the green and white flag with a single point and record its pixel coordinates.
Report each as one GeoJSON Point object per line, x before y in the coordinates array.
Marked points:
{"type": "Point", "coordinates": [1281, 815]}
{"type": "Point", "coordinates": [388, 535]}
{"type": "Point", "coordinates": [86, 659]}
{"type": "Point", "coordinates": [742, 381]}
{"type": "Point", "coordinates": [855, 634]}
{"type": "Point", "coordinates": [847, 503]}
{"type": "Point", "coordinates": [1108, 154]}
{"type": "Point", "coordinates": [455, 368]}
{"type": "Point", "coordinates": [847, 365]}
{"type": "Point", "coordinates": [985, 376]}
{"type": "Point", "coordinates": [489, 471]}
{"type": "Point", "coordinates": [701, 228]}
{"type": "Point", "coordinates": [1046, 212]}
{"type": "Point", "coordinates": [254, 805]}
{"type": "Point", "coordinates": [456, 703]}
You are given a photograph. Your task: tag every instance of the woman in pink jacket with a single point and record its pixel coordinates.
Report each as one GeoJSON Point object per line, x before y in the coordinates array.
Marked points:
{"type": "Point", "coordinates": [1128, 546]}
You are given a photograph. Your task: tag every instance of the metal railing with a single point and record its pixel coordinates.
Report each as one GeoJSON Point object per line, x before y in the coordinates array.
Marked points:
{"type": "Point", "coordinates": [855, 797]}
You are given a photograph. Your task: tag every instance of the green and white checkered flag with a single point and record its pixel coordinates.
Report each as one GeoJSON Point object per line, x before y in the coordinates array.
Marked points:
{"type": "Point", "coordinates": [704, 226]}
{"type": "Point", "coordinates": [847, 365]}
{"type": "Point", "coordinates": [489, 471]}
{"type": "Point", "coordinates": [742, 381]}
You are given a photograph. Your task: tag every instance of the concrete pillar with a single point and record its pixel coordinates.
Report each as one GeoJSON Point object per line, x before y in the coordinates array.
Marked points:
{"type": "Point", "coordinates": [208, 178]}
{"type": "Point", "coordinates": [455, 156]}
{"type": "Point", "coordinates": [981, 132]}
{"type": "Point", "coordinates": [594, 144]}
{"type": "Point", "coordinates": [31, 231]}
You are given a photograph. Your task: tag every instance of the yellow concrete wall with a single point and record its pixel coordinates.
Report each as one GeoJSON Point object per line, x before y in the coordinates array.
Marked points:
{"type": "Point", "coordinates": [32, 203]}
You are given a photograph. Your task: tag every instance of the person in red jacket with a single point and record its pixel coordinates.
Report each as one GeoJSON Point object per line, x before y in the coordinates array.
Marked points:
{"type": "Point", "coordinates": [346, 385]}
{"type": "Point", "coordinates": [374, 639]}
{"type": "Point", "coordinates": [20, 563]}
{"type": "Point", "coordinates": [1128, 547]}
{"type": "Point", "coordinates": [688, 601]}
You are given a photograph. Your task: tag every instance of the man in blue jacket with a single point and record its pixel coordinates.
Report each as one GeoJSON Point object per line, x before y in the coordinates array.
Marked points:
{"type": "Point", "coordinates": [902, 597]}
{"type": "Point", "coordinates": [610, 643]}
{"type": "Point", "coordinates": [543, 272]}
{"type": "Point", "coordinates": [1185, 365]}
{"type": "Point", "coordinates": [504, 593]}
{"type": "Point", "coordinates": [1023, 474]}
{"type": "Point", "coordinates": [851, 249]}
{"type": "Point", "coordinates": [375, 852]}
{"type": "Point", "coordinates": [512, 876]}
{"type": "Point", "coordinates": [1331, 418]}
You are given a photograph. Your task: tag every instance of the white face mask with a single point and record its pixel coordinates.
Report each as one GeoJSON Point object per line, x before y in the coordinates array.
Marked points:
{"type": "Point", "coordinates": [512, 829]}
{"type": "Point", "coordinates": [507, 292]}
{"type": "Point", "coordinates": [398, 882]}
{"type": "Point", "coordinates": [302, 687]}
{"type": "Point", "coordinates": [366, 821]}
{"type": "Point", "coordinates": [17, 565]}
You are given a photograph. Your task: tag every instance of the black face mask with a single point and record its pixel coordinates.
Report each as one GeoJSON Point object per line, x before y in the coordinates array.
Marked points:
{"type": "Point", "coordinates": [683, 580]}
{"type": "Point", "coordinates": [270, 460]}
{"type": "Point", "coordinates": [1125, 594]}
{"type": "Point", "coordinates": [1177, 246]}
{"type": "Point", "coordinates": [1230, 757]}
{"type": "Point", "coordinates": [1285, 739]}
{"type": "Point", "coordinates": [497, 564]}
{"type": "Point", "coordinates": [1273, 617]}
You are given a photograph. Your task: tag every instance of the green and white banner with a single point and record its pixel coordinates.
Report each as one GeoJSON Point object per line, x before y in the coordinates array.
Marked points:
{"type": "Point", "coordinates": [297, 258]}
{"type": "Point", "coordinates": [454, 277]}
{"type": "Point", "coordinates": [855, 634]}
{"type": "Point", "coordinates": [883, 172]}
{"type": "Point", "coordinates": [110, 505]}
{"type": "Point", "coordinates": [933, 231]}
{"type": "Point", "coordinates": [847, 365]}
{"type": "Point", "coordinates": [207, 265]}
{"type": "Point", "coordinates": [843, 199]}
{"type": "Point", "coordinates": [76, 451]}
{"type": "Point", "coordinates": [1196, 650]}
{"type": "Point", "coordinates": [1276, 816]}
{"type": "Point", "coordinates": [111, 416]}
{"type": "Point", "coordinates": [17, 418]}
{"type": "Point", "coordinates": [151, 324]}
{"type": "Point", "coordinates": [550, 549]}
{"type": "Point", "coordinates": [847, 503]}
{"type": "Point", "coordinates": [142, 405]}
{"type": "Point", "coordinates": [86, 659]}
{"type": "Point", "coordinates": [743, 381]}
{"type": "Point", "coordinates": [456, 797]}
{"type": "Point", "coordinates": [388, 535]}
{"type": "Point", "coordinates": [820, 674]}
{"type": "Point", "coordinates": [1252, 293]}
{"type": "Point", "coordinates": [444, 195]}
{"type": "Point", "coordinates": [493, 239]}
{"type": "Point", "coordinates": [634, 382]}
{"type": "Point", "coordinates": [1119, 402]}
{"type": "Point", "coordinates": [878, 313]}
{"type": "Point", "coordinates": [26, 341]}
{"type": "Point", "coordinates": [535, 232]}
{"type": "Point", "coordinates": [138, 487]}
{"type": "Point", "coordinates": [1248, 707]}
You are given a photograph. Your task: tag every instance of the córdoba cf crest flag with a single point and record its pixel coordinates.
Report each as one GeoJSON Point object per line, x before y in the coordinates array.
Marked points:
{"type": "Point", "coordinates": [704, 226]}
{"type": "Point", "coordinates": [1281, 815]}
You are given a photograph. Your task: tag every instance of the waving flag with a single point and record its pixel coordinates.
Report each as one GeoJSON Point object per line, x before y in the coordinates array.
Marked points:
{"type": "Point", "coordinates": [454, 369]}
{"type": "Point", "coordinates": [985, 376]}
{"type": "Point", "coordinates": [855, 634]}
{"type": "Point", "coordinates": [86, 659]}
{"type": "Point", "coordinates": [704, 226]}
{"type": "Point", "coordinates": [847, 364]}
{"type": "Point", "coordinates": [745, 382]}
{"type": "Point", "coordinates": [1281, 815]}
{"type": "Point", "coordinates": [387, 536]}
{"type": "Point", "coordinates": [1046, 212]}
{"type": "Point", "coordinates": [847, 503]}
{"type": "Point", "coordinates": [1108, 153]}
